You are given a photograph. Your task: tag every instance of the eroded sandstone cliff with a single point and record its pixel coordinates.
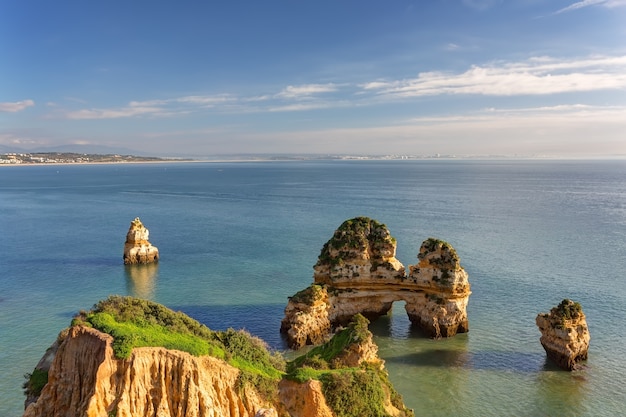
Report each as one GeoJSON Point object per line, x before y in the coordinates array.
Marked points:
{"type": "Point", "coordinates": [86, 379]}
{"type": "Point", "coordinates": [564, 334]}
{"type": "Point", "coordinates": [137, 248]}
{"type": "Point", "coordinates": [98, 367]}
{"type": "Point", "coordinates": [357, 272]}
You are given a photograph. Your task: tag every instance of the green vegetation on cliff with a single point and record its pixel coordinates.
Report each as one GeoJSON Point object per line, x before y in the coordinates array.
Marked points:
{"type": "Point", "coordinates": [135, 323]}
{"type": "Point", "coordinates": [568, 310]}
{"type": "Point", "coordinates": [358, 234]}
{"type": "Point", "coordinates": [322, 358]}
{"type": "Point", "coordinates": [35, 382]}
{"type": "Point", "coordinates": [309, 295]}
{"type": "Point", "coordinates": [349, 391]}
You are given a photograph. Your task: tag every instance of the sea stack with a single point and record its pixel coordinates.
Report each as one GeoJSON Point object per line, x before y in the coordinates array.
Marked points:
{"type": "Point", "coordinates": [357, 273]}
{"type": "Point", "coordinates": [137, 249]}
{"type": "Point", "coordinates": [564, 334]}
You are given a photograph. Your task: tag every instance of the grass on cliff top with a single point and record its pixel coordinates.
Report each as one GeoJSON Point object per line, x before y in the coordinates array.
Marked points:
{"type": "Point", "coordinates": [135, 323]}
{"type": "Point", "coordinates": [308, 295]}
{"type": "Point", "coordinates": [349, 392]}
{"type": "Point", "coordinates": [321, 358]}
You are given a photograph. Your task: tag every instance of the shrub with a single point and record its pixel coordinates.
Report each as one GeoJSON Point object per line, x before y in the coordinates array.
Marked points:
{"type": "Point", "coordinates": [35, 382]}
{"type": "Point", "coordinates": [356, 332]}
{"type": "Point", "coordinates": [141, 323]}
{"type": "Point", "coordinates": [354, 393]}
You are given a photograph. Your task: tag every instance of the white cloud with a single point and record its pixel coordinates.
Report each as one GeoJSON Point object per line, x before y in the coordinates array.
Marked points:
{"type": "Point", "coordinates": [301, 107]}
{"type": "Point", "coordinates": [132, 110]}
{"type": "Point", "coordinates": [14, 107]}
{"type": "Point", "coordinates": [537, 76]}
{"type": "Point", "coordinates": [158, 107]}
{"type": "Point", "coordinates": [587, 3]}
{"type": "Point", "coordinates": [205, 100]}
{"type": "Point", "coordinates": [306, 90]}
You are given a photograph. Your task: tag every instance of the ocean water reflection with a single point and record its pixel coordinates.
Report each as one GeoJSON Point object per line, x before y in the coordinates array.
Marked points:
{"type": "Point", "coordinates": [141, 280]}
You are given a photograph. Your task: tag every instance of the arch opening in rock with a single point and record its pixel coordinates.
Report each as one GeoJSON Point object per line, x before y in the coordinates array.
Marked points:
{"type": "Point", "coordinates": [357, 272]}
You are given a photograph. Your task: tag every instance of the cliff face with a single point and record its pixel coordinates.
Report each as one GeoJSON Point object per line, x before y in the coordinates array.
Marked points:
{"type": "Point", "coordinates": [564, 334]}
{"type": "Point", "coordinates": [357, 272]}
{"type": "Point", "coordinates": [96, 369]}
{"type": "Point", "coordinates": [137, 248]}
{"type": "Point", "coordinates": [85, 379]}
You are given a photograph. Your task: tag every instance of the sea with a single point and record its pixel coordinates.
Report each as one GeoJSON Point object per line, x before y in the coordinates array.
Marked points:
{"type": "Point", "coordinates": [237, 238]}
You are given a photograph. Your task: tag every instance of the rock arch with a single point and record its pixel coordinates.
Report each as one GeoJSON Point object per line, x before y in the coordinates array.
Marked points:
{"type": "Point", "coordinates": [357, 272]}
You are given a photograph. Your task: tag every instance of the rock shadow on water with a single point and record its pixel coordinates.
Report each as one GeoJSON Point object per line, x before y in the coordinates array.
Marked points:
{"type": "Point", "coordinates": [141, 279]}
{"type": "Point", "coordinates": [522, 362]}
{"type": "Point", "coordinates": [262, 321]}
{"type": "Point", "coordinates": [564, 392]}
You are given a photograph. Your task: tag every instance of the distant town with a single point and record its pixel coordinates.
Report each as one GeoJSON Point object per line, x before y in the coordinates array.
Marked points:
{"type": "Point", "coordinates": [72, 158]}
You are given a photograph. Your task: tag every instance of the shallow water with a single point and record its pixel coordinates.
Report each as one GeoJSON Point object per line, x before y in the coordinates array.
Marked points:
{"type": "Point", "coordinates": [236, 239]}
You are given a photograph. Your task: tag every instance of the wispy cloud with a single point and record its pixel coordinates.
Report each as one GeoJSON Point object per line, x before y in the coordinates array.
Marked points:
{"type": "Point", "coordinates": [14, 107]}
{"type": "Point", "coordinates": [130, 111]}
{"type": "Point", "coordinates": [306, 90]}
{"type": "Point", "coordinates": [151, 108]}
{"type": "Point", "coordinates": [588, 3]}
{"type": "Point", "coordinates": [537, 76]}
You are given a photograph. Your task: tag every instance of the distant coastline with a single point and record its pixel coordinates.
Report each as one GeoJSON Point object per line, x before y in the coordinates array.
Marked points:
{"type": "Point", "coordinates": [71, 158]}
{"type": "Point", "coordinates": [75, 158]}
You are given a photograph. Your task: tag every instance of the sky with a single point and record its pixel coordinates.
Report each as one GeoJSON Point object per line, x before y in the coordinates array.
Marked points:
{"type": "Point", "coordinates": [396, 77]}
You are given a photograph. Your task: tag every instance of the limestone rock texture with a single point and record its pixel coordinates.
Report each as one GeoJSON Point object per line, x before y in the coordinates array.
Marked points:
{"type": "Point", "coordinates": [357, 272]}
{"type": "Point", "coordinates": [362, 386]}
{"type": "Point", "coordinates": [304, 399]}
{"type": "Point", "coordinates": [85, 379]}
{"type": "Point", "coordinates": [137, 249]}
{"type": "Point", "coordinates": [564, 334]}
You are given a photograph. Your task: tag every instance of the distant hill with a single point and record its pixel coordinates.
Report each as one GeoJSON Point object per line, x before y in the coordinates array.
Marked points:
{"type": "Point", "coordinates": [91, 149]}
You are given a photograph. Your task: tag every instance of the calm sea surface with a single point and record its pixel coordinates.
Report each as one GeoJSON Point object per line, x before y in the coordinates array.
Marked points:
{"type": "Point", "coordinates": [236, 239]}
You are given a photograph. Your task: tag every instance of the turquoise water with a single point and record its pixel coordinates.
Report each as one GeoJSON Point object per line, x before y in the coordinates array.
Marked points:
{"type": "Point", "coordinates": [236, 239]}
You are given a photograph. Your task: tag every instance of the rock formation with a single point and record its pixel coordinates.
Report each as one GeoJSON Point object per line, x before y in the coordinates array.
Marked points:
{"type": "Point", "coordinates": [351, 378]}
{"type": "Point", "coordinates": [137, 249]}
{"type": "Point", "coordinates": [86, 377]}
{"type": "Point", "coordinates": [357, 272]}
{"type": "Point", "coordinates": [564, 334]}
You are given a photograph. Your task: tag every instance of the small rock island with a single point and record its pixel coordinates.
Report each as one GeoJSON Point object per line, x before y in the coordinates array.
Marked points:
{"type": "Point", "coordinates": [564, 334]}
{"type": "Point", "coordinates": [137, 249]}
{"type": "Point", "coordinates": [357, 273]}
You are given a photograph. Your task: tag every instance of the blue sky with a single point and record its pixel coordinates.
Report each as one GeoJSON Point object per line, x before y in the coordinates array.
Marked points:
{"type": "Point", "coordinates": [463, 77]}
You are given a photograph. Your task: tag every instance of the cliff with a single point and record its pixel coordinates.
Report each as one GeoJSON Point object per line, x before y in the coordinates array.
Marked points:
{"type": "Point", "coordinates": [86, 379]}
{"type": "Point", "coordinates": [357, 272]}
{"type": "Point", "coordinates": [137, 248]}
{"type": "Point", "coordinates": [130, 357]}
{"type": "Point", "coordinates": [564, 334]}
{"type": "Point", "coordinates": [342, 377]}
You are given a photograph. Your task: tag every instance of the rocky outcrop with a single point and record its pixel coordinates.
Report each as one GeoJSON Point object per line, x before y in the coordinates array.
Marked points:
{"type": "Point", "coordinates": [357, 272]}
{"type": "Point", "coordinates": [352, 380]}
{"type": "Point", "coordinates": [564, 334]}
{"type": "Point", "coordinates": [137, 249]}
{"type": "Point", "coordinates": [304, 399]}
{"type": "Point", "coordinates": [86, 379]}
{"type": "Point", "coordinates": [88, 372]}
